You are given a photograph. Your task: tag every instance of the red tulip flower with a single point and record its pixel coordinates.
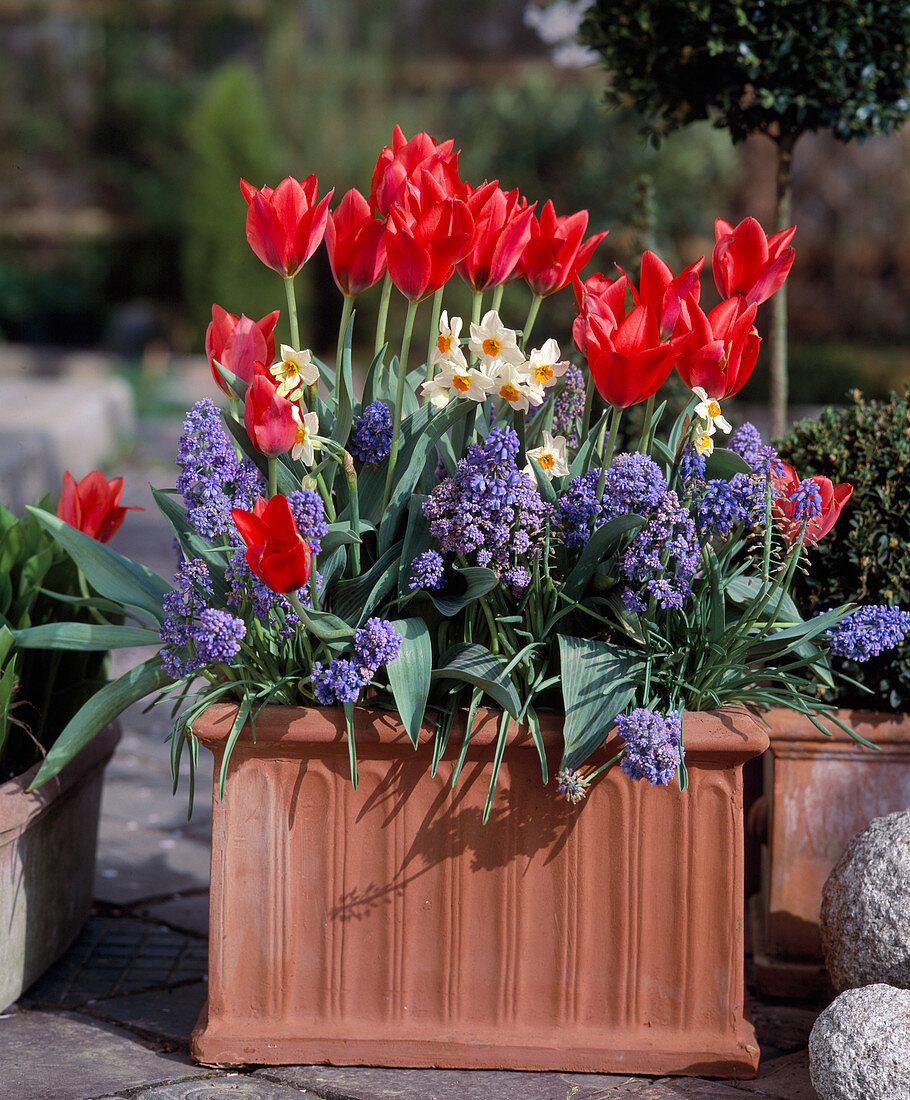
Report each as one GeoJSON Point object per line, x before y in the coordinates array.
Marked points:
{"type": "Point", "coordinates": [286, 225]}
{"type": "Point", "coordinates": [275, 550]}
{"type": "Point", "coordinates": [722, 348]}
{"type": "Point", "coordinates": [403, 162]}
{"type": "Point", "coordinates": [627, 361]}
{"type": "Point", "coordinates": [502, 229]}
{"type": "Point", "coordinates": [237, 343]}
{"type": "Point", "coordinates": [557, 250]}
{"type": "Point", "coordinates": [425, 238]}
{"type": "Point", "coordinates": [747, 262]}
{"type": "Point", "coordinates": [267, 417]}
{"type": "Point", "coordinates": [355, 242]}
{"type": "Point", "coordinates": [601, 297]}
{"type": "Point", "coordinates": [665, 292]}
{"type": "Point", "coordinates": [92, 505]}
{"type": "Point", "coordinates": [833, 499]}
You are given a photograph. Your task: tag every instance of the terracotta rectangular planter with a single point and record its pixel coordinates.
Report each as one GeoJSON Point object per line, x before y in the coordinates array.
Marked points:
{"type": "Point", "coordinates": [48, 840]}
{"type": "Point", "coordinates": [389, 926]}
{"type": "Point", "coordinates": [821, 791]}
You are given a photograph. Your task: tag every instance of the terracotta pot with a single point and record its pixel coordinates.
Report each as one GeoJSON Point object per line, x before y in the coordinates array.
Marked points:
{"type": "Point", "coordinates": [48, 840]}
{"type": "Point", "coordinates": [389, 926]}
{"type": "Point", "coordinates": [821, 791]}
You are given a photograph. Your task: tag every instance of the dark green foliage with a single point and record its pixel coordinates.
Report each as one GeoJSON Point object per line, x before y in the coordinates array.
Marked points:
{"type": "Point", "coordinates": [866, 557]}
{"type": "Point", "coordinates": [51, 685]}
{"type": "Point", "coordinates": [778, 66]}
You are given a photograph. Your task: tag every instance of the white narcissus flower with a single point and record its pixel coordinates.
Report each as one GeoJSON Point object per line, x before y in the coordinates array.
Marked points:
{"type": "Point", "coordinates": [703, 442]}
{"type": "Point", "coordinates": [544, 365]}
{"type": "Point", "coordinates": [493, 343]}
{"type": "Point", "coordinates": [434, 392]}
{"type": "Point", "coordinates": [467, 382]}
{"type": "Point", "coordinates": [550, 456]}
{"type": "Point", "coordinates": [447, 350]}
{"type": "Point", "coordinates": [295, 370]}
{"type": "Point", "coordinates": [512, 384]}
{"type": "Point", "coordinates": [708, 410]}
{"type": "Point", "coordinates": [307, 425]}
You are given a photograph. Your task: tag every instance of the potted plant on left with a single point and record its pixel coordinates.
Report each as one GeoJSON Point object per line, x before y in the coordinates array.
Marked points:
{"type": "Point", "coordinates": [48, 837]}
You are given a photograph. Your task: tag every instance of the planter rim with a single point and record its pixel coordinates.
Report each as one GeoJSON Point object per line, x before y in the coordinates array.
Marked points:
{"type": "Point", "coordinates": [882, 727]}
{"type": "Point", "coordinates": [732, 734]}
{"type": "Point", "coordinates": [19, 807]}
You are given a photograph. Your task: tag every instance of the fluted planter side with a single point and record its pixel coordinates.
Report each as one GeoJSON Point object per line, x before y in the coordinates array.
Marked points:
{"type": "Point", "coordinates": [389, 926]}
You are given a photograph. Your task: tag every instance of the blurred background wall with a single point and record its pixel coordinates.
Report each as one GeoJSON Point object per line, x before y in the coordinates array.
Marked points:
{"type": "Point", "coordinates": [126, 125]}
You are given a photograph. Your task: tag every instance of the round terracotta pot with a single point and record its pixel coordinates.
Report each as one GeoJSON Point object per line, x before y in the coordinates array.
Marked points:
{"type": "Point", "coordinates": [389, 926]}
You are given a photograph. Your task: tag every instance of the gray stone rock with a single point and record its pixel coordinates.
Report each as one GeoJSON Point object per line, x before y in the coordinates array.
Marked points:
{"type": "Point", "coordinates": [865, 912]}
{"type": "Point", "coordinates": [859, 1048]}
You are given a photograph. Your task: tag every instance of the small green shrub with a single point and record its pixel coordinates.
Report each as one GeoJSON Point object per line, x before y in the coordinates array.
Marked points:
{"type": "Point", "coordinates": [866, 557]}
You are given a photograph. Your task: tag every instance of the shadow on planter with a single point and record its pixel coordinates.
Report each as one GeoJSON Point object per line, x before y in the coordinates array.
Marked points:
{"type": "Point", "coordinates": [48, 841]}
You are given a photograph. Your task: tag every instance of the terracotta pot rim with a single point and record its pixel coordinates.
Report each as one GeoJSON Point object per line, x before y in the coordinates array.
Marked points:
{"type": "Point", "coordinates": [732, 734]}
{"type": "Point", "coordinates": [879, 726]}
{"type": "Point", "coordinates": [19, 807]}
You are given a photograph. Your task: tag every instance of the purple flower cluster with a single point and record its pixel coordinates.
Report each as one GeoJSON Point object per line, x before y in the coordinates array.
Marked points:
{"type": "Point", "coordinates": [427, 570]}
{"type": "Point", "coordinates": [691, 464]}
{"type": "Point", "coordinates": [489, 511]}
{"type": "Point", "coordinates": [724, 504]}
{"type": "Point", "coordinates": [653, 745]}
{"type": "Point", "coordinates": [371, 438]}
{"type": "Point", "coordinates": [212, 480]}
{"type": "Point", "coordinates": [869, 631]}
{"type": "Point", "coordinates": [193, 634]}
{"type": "Point", "coordinates": [632, 484]}
{"type": "Point", "coordinates": [746, 441]}
{"type": "Point", "coordinates": [807, 500]}
{"type": "Point", "coordinates": [663, 557]}
{"type": "Point", "coordinates": [571, 785]}
{"type": "Point", "coordinates": [309, 515]}
{"type": "Point", "coordinates": [375, 644]}
{"type": "Point", "coordinates": [569, 405]}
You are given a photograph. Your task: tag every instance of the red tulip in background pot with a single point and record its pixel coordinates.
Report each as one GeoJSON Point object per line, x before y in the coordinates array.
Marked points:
{"type": "Point", "coordinates": [388, 926]}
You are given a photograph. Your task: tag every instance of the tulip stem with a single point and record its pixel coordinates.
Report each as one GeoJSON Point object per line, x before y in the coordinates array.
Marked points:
{"type": "Point", "coordinates": [532, 317]}
{"type": "Point", "coordinates": [346, 311]}
{"type": "Point", "coordinates": [235, 415]}
{"type": "Point", "coordinates": [273, 475]}
{"type": "Point", "coordinates": [434, 329]}
{"type": "Point", "coordinates": [399, 402]}
{"type": "Point", "coordinates": [292, 311]}
{"type": "Point", "coordinates": [383, 313]}
{"type": "Point", "coordinates": [646, 425]}
{"type": "Point", "coordinates": [607, 452]}
{"type": "Point", "coordinates": [518, 422]}
{"type": "Point", "coordinates": [589, 405]}
{"type": "Point", "coordinates": [497, 296]}
{"type": "Point", "coordinates": [326, 495]}
{"type": "Point", "coordinates": [477, 307]}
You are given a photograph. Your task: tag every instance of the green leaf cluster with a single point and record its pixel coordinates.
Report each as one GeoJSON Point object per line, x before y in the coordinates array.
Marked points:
{"type": "Point", "coordinates": [866, 558]}
{"type": "Point", "coordinates": [774, 66]}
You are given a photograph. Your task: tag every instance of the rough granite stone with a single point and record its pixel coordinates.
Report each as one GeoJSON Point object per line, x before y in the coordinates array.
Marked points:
{"type": "Point", "coordinates": [859, 1048]}
{"type": "Point", "coordinates": [865, 912]}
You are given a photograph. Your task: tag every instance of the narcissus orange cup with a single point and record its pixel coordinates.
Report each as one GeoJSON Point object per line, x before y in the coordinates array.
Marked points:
{"type": "Point", "coordinates": [275, 550]}
{"type": "Point", "coordinates": [93, 506]}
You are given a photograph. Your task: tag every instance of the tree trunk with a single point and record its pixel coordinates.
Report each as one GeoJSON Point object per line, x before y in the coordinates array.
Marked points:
{"type": "Point", "coordinates": [777, 404]}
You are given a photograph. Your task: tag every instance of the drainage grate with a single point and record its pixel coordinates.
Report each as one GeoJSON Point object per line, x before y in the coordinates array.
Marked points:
{"type": "Point", "coordinates": [116, 956]}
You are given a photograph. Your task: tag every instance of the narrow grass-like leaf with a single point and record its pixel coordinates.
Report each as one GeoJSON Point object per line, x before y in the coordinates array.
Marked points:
{"type": "Point", "coordinates": [501, 739]}
{"type": "Point", "coordinates": [243, 713]}
{"type": "Point", "coordinates": [476, 665]}
{"type": "Point", "coordinates": [352, 748]}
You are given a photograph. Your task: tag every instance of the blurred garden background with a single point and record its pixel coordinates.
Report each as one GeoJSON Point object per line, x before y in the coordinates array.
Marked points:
{"type": "Point", "coordinates": [126, 125]}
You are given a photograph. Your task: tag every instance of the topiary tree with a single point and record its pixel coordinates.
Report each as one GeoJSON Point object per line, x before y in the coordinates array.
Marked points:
{"type": "Point", "coordinates": [776, 67]}
{"type": "Point", "coordinates": [867, 444]}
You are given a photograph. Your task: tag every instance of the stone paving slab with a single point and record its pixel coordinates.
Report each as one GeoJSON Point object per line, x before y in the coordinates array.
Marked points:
{"type": "Point", "coordinates": [785, 1078]}
{"type": "Point", "coordinates": [369, 1083]}
{"type": "Point", "coordinates": [221, 1088]}
{"type": "Point", "coordinates": [189, 914]}
{"type": "Point", "coordinates": [139, 864]}
{"type": "Point", "coordinates": [50, 1056]}
{"type": "Point", "coordinates": [169, 1013]}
